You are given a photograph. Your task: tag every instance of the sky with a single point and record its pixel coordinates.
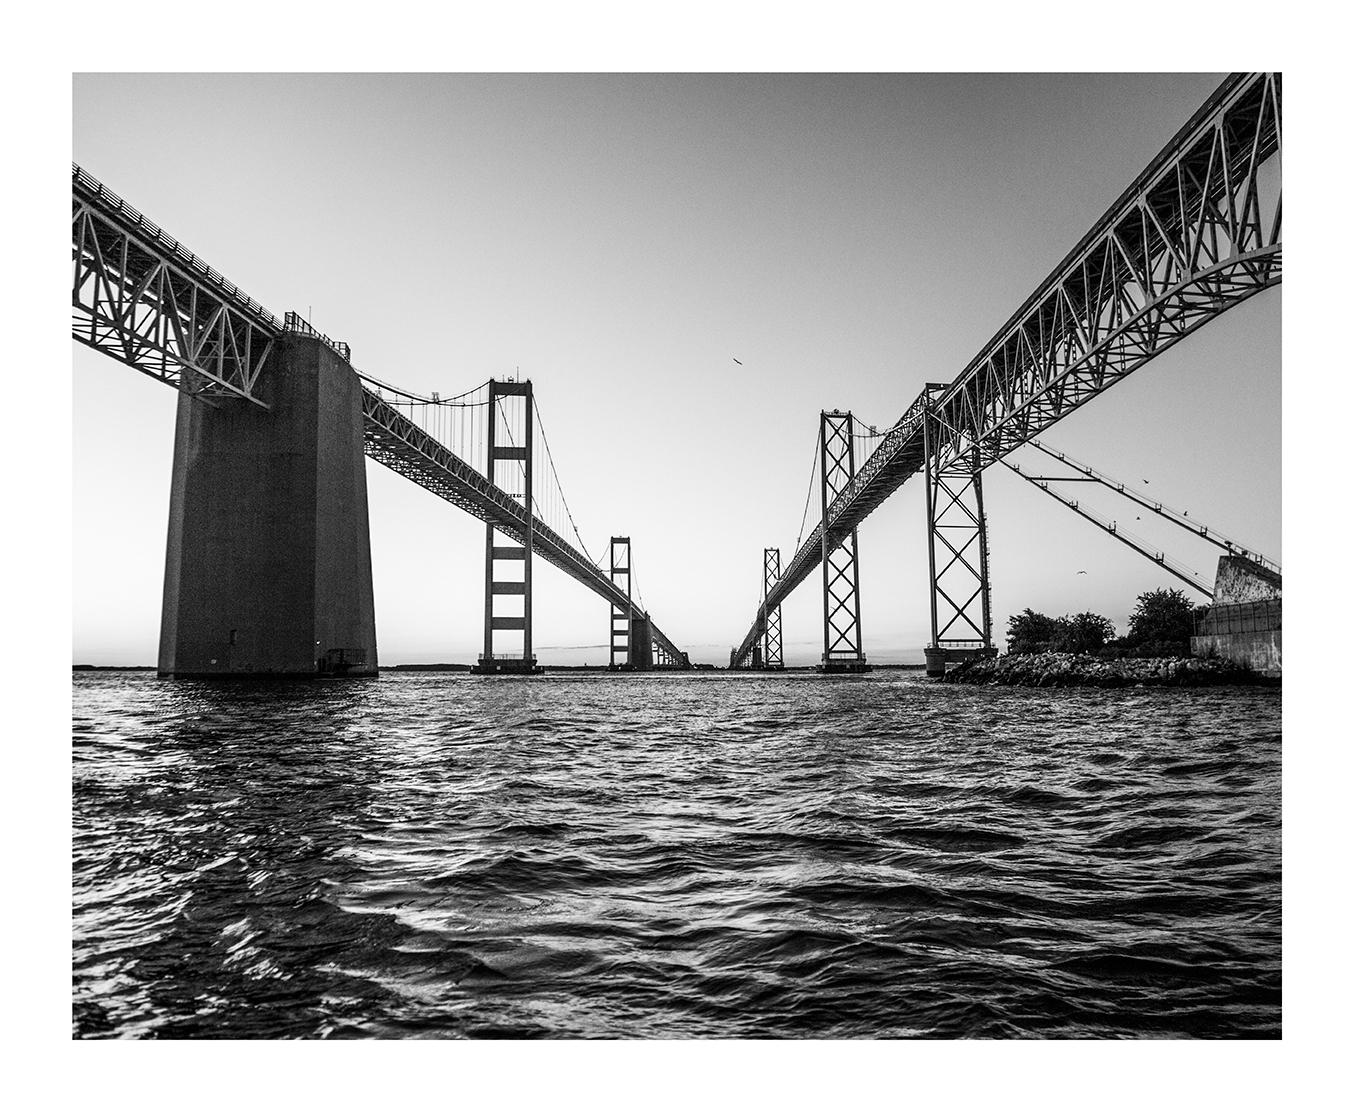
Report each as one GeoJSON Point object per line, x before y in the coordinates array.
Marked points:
{"type": "Point", "coordinates": [621, 240]}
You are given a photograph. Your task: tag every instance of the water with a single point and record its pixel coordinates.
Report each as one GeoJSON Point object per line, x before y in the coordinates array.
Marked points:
{"type": "Point", "coordinates": [673, 856]}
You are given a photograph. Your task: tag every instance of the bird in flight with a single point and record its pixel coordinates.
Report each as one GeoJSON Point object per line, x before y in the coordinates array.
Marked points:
{"type": "Point", "coordinates": [737, 360]}
{"type": "Point", "coordinates": [1148, 482]}
{"type": "Point", "coordinates": [1081, 573]}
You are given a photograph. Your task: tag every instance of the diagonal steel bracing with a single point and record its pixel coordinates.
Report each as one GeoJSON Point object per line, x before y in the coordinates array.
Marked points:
{"type": "Point", "coordinates": [773, 658]}
{"type": "Point", "coordinates": [1199, 231]}
{"type": "Point", "coordinates": [842, 647]}
{"type": "Point", "coordinates": [142, 297]}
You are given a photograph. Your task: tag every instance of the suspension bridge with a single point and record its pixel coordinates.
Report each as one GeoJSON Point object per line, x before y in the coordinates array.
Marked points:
{"type": "Point", "coordinates": [1196, 233]}
{"type": "Point", "coordinates": [268, 564]}
{"type": "Point", "coordinates": [268, 568]}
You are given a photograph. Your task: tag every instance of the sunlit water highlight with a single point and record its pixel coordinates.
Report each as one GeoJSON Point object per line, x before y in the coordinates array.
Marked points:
{"type": "Point", "coordinates": [673, 856]}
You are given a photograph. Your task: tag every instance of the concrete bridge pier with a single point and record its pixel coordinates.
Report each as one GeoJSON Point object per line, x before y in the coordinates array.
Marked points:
{"type": "Point", "coordinates": [641, 645]}
{"type": "Point", "coordinates": [268, 562]}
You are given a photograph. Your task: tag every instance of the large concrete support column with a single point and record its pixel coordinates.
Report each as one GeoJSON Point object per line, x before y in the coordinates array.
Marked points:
{"type": "Point", "coordinates": [268, 565]}
{"type": "Point", "coordinates": [641, 645]}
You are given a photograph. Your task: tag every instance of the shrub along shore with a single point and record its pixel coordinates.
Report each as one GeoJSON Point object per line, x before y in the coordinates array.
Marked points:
{"type": "Point", "coordinates": [1081, 650]}
{"type": "Point", "coordinates": [1082, 670]}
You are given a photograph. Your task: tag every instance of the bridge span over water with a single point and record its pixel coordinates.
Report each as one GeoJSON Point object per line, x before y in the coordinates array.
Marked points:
{"type": "Point", "coordinates": [268, 564]}
{"type": "Point", "coordinates": [268, 569]}
{"type": "Point", "coordinates": [1197, 232]}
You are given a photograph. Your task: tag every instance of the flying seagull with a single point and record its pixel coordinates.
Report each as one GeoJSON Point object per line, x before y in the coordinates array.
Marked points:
{"type": "Point", "coordinates": [737, 360]}
{"type": "Point", "coordinates": [1148, 482]}
{"type": "Point", "coordinates": [1081, 573]}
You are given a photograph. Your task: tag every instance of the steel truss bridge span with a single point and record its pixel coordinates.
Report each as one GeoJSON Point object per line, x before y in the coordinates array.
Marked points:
{"type": "Point", "coordinates": [1196, 233]}
{"type": "Point", "coordinates": [141, 297]}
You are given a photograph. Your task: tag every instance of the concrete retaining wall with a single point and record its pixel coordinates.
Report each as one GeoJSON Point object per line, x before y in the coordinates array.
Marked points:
{"type": "Point", "coordinates": [1262, 652]}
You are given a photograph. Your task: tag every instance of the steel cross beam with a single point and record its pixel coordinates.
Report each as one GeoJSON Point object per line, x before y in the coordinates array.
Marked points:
{"type": "Point", "coordinates": [621, 622]}
{"type": "Point", "coordinates": [1199, 231]}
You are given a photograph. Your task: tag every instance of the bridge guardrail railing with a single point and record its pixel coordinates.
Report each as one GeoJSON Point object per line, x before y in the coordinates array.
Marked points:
{"type": "Point", "coordinates": [293, 321]}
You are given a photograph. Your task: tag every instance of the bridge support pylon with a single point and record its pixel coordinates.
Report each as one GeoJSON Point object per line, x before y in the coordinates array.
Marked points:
{"type": "Point", "coordinates": [842, 648]}
{"type": "Point", "coordinates": [621, 617]}
{"type": "Point", "coordinates": [268, 559]}
{"type": "Point", "coordinates": [641, 645]}
{"type": "Point", "coordinates": [773, 659]}
{"type": "Point", "coordinates": [502, 551]}
{"type": "Point", "coordinates": [957, 557]}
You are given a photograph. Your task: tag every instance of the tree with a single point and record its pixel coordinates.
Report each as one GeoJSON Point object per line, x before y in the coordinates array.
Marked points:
{"type": "Point", "coordinates": [1163, 616]}
{"type": "Point", "coordinates": [1083, 633]}
{"type": "Point", "coordinates": [1029, 632]}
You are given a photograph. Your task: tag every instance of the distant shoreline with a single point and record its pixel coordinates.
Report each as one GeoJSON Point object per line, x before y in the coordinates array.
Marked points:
{"type": "Point", "coordinates": [706, 668]}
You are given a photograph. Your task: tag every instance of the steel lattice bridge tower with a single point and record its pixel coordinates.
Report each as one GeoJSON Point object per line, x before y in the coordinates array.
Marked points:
{"type": "Point", "coordinates": [268, 565]}
{"type": "Point", "coordinates": [1196, 233]}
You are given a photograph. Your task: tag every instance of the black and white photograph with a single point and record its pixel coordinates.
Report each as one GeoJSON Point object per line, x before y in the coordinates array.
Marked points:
{"type": "Point", "coordinates": [714, 556]}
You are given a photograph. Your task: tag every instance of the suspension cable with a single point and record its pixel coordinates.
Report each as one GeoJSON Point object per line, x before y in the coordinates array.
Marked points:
{"type": "Point", "coordinates": [559, 487]}
{"type": "Point", "coordinates": [410, 397]}
{"type": "Point", "coordinates": [808, 498]}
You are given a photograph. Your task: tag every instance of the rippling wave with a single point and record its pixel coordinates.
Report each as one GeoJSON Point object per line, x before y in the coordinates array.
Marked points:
{"type": "Point", "coordinates": [673, 856]}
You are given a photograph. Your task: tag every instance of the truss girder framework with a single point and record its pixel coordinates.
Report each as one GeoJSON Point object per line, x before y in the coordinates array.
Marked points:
{"type": "Point", "coordinates": [1199, 231]}
{"type": "Point", "coordinates": [841, 570]}
{"type": "Point", "coordinates": [772, 655]}
{"type": "Point", "coordinates": [141, 297]}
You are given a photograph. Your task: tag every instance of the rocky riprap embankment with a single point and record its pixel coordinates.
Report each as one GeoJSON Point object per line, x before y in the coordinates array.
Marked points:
{"type": "Point", "coordinates": [1068, 670]}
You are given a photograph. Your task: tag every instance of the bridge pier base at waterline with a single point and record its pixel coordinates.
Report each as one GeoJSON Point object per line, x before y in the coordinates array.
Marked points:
{"type": "Point", "coordinates": [268, 560]}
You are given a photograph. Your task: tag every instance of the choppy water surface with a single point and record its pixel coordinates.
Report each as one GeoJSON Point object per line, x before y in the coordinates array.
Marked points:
{"type": "Point", "coordinates": [663, 856]}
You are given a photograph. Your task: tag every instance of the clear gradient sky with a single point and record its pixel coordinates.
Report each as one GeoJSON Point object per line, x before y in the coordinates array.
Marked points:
{"type": "Point", "coordinates": [622, 240]}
